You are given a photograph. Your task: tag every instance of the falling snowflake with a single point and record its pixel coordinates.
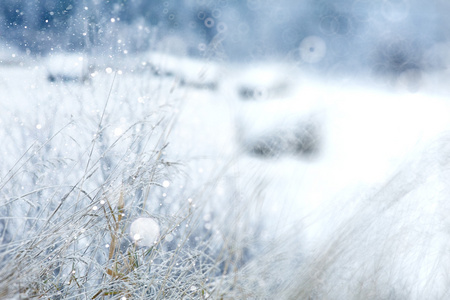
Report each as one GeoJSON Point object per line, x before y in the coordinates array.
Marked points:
{"type": "Point", "coordinates": [145, 231]}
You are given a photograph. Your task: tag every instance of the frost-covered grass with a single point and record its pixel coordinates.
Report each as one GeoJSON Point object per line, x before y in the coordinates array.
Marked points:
{"type": "Point", "coordinates": [161, 179]}
{"type": "Point", "coordinates": [81, 162]}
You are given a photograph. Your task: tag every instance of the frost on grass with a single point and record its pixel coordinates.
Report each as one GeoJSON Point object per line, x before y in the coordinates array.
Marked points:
{"type": "Point", "coordinates": [72, 185]}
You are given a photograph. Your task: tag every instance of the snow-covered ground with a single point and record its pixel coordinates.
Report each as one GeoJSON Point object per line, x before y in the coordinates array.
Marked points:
{"type": "Point", "coordinates": [353, 165]}
{"type": "Point", "coordinates": [348, 177]}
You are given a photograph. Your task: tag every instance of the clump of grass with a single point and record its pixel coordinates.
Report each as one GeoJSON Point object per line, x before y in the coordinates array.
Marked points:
{"type": "Point", "coordinates": [69, 199]}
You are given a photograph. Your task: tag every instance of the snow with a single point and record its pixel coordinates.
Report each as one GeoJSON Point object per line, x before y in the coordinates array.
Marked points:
{"type": "Point", "coordinates": [365, 133]}
{"type": "Point", "coordinates": [145, 231]}
{"type": "Point", "coordinates": [246, 149]}
{"type": "Point", "coordinates": [64, 67]}
{"type": "Point", "coordinates": [166, 183]}
{"type": "Point", "coordinates": [367, 137]}
{"type": "Point", "coordinates": [188, 70]}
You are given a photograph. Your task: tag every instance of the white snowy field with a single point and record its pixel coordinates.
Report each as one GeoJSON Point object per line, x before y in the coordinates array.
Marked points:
{"type": "Point", "coordinates": [261, 180]}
